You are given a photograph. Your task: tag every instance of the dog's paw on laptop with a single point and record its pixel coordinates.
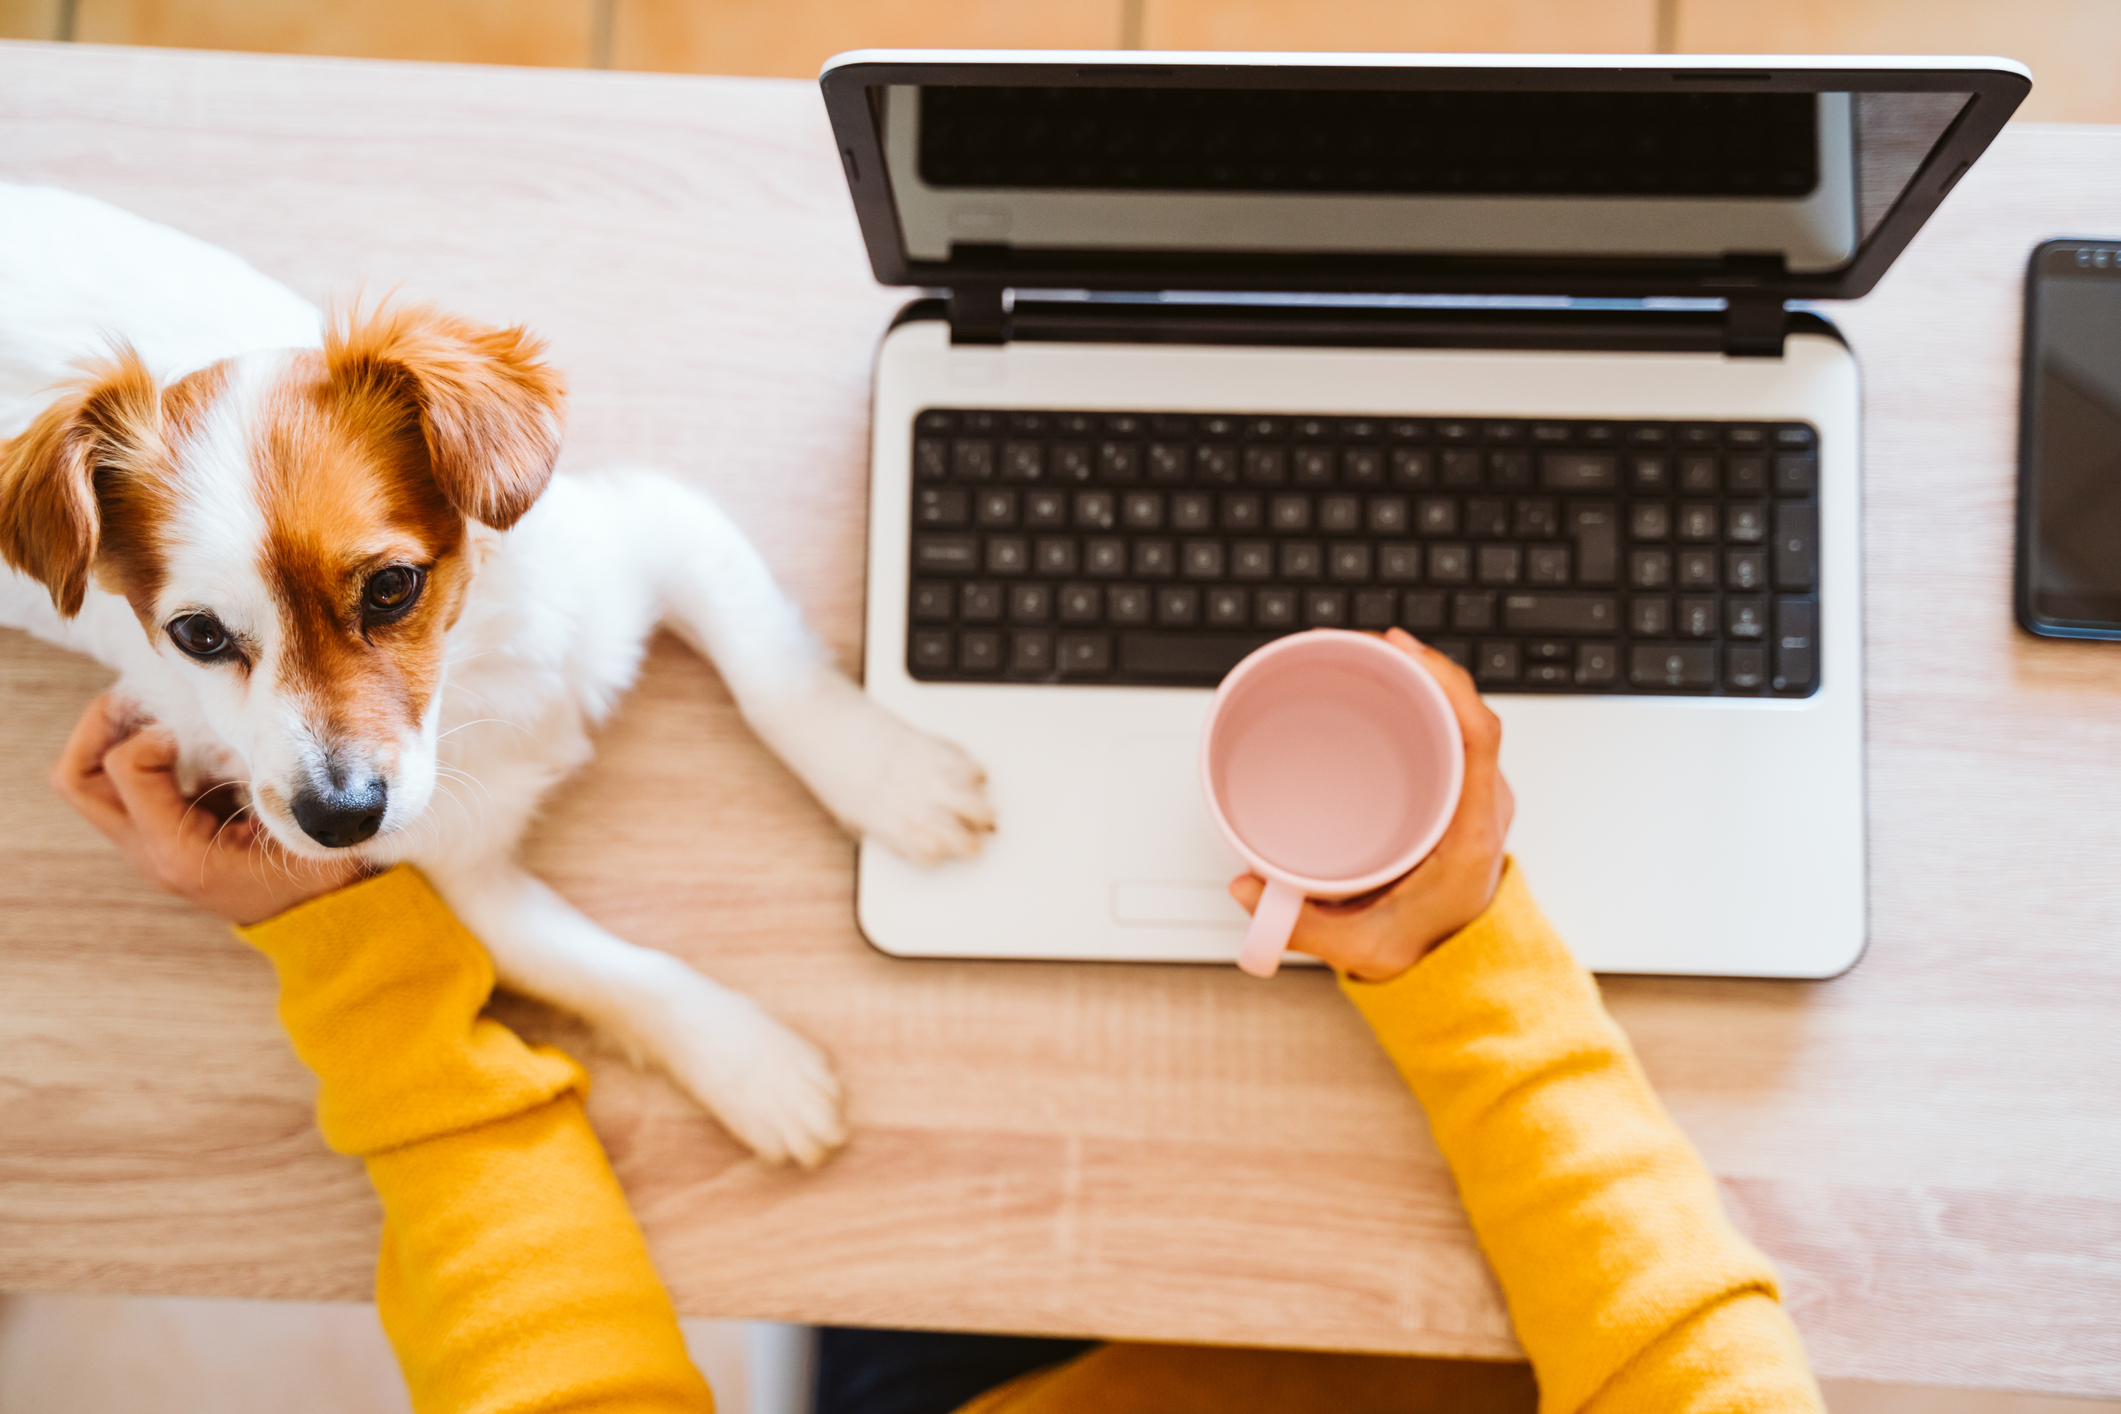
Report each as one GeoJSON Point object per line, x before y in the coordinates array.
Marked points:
{"type": "Point", "coordinates": [919, 796]}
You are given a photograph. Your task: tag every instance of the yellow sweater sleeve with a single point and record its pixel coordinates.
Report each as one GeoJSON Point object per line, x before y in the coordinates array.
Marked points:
{"type": "Point", "coordinates": [1628, 1286]}
{"type": "Point", "coordinates": [513, 1279]}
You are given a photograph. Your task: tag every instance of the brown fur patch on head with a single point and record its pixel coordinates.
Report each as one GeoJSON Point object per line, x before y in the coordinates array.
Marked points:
{"type": "Point", "coordinates": [488, 408]}
{"type": "Point", "coordinates": [87, 459]}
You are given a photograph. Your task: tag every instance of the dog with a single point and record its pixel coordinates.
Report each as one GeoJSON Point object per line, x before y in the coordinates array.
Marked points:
{"type": "Point", "coordinates": [334, 560]}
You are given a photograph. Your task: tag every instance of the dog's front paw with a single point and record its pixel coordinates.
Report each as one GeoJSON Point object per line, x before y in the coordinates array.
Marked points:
{"type": "Point", "coordinates": [768, 1086]}
{"type": "Point", "coordinates": [922, 797]}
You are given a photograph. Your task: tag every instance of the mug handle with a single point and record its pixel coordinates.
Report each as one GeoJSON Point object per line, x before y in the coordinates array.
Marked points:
{"type": "Point", "coordinates": [1272, 923]}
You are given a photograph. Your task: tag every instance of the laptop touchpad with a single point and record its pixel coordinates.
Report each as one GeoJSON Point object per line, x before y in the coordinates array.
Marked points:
{"type": "Point", "coordinates": [1166, 863]}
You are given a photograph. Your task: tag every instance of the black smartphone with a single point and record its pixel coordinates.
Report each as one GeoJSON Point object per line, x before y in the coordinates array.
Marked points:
{"type": "Point", "coordinates": [2069, 443]}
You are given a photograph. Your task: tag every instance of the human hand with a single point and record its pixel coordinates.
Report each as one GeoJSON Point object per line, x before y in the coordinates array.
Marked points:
{"type": "Point", "coordinates": [124, 783]}
{"type": "Point", "coordinates": [1378, 935]}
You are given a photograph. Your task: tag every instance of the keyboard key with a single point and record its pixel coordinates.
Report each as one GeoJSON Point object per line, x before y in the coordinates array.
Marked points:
{"type": "Point", "coordinates": [1167, 462]}
{"type": "Point", "coordinates": [1276, 608]}
{"type": "Point", "coordinates": [1650, 520]}
{"type": "Point", "coordinates": [1045, 508]}
{"type": "Point", "coordinates": [972, 461]}
{"type": "Point", "coordinates": [1412, 468]}
{"type": "Point", "coordinates": [1672, 665]}
{"type": "Point", "coordinates": [1697, 617]}
{"type": "Point", "coordinates": [1251, 559]}
{"type": "Point", "coordinates": [1085, 654]}
{"type": "Point", "coordinates": [1744, 569]}
{"type": "Point", "coordinates": [1547, 675]}
{"type": "Point", "coordinates": [1796, 475]}
{"type": "Point", "coordinates": [1388, 515]}
{"type": "Point", "coordinates": [1793, 435]}
{"type": "Point", "coordinates": [1302, 559]}
{"type": "Point", "coordinates": [1142, 510]}
{"type": "Point", "coordinates": [932, 602]}
{"type": "Point", "coordinates": [1487, 518]}
{"type": "Point", "coordinates": [1243, 512]}
{"type": "Point", "coordinates": [1450, 564]}
{"type": "Point", "coordinates": [1575, 471]}
{"type": "Point", "coordinates": [1697, 569]}
{"type": "Point", "coordinates": [1697, 474]}
{"type": "Point", "coordinates": [1119, 461]}
{"type": "Point", "coordinates": [1472, 610]}
{"type": "Point", "coordinates": [1461, 468]}
{"type": "Point", "coordinates": [1745, 618]}
{"type": "Point", "coordinates": [1178, 608]}
{"type": "Point", "coordinates": [1650, 569]}
{"type": "Point", "coordinates": [1698, 521]}
{"type": "Point", "coordinates": [1030, 603]}
{"type": "Point", "coordinates": [1548, 650]}
{"type": "Point", "coordinates": [1376, 608]}
{"type": "Point", "coordinates": [1340, 515]}
{"type": "Point", "coordinates": [1596, 526]}
{"type": "Point", "coordinates": [1744, 667]}
{"type": "Point", "coordinates": [1561, 613]}
{"type": "Point", "coordinates": [1500, 564]}
{"type": "Point", "coordinates": [1031, 654]}
{"type": "Point", "coordinates": [1745, 524]}
{"type": "Point", "coordinates": [1362, 466]}
{"type": "Point", "coordinates": [1192, 512]}
{"type": "Point", "coordinates": [1155, 559]}
{"type": "Point", "coordinates": [1456, 649]}
{"type": "Point", "coordinates": [1290, 513]}
{"type": "Point", "coordinates": [995, 508]}
{"type": "Point", "coordinates": [1549, 564]}
{"type": "Point", "coordinates": [1105, 556]}
{"type": "Point", "coordinates": [1229, 608]}
{"type": "Point", "coordinates": [1314, 466]}
{"type": "Point", "coordinates": [1597, 664]}
{"type": "Point", "coordinates": [931, 459]}
{"type": "Point", "coordinates": [1201, 559]}
{"type": "Point", "coordinates": [944, 553]}
{"type": "Point", "coordinates": [1649, 617]}
{"type": "Point", "coordinates": [1266, 466]}
{"type": "Point", "coordinates": [1023, 461]}
{"type": "Point", "coordinates": [981, 603]}
{"type": "Point", "coordinates": [1537, 519]}
{"type": "Point", "coordinates": [1054, 556]}
{"type": "Point", "coordinates": [1070, 462]}
{"type": "Point", "coordinates": [1326, 608]}
{"type": "Point", "coordinates": [1421, 610]}
{"type": "Point", "coordinates": [1796, 643]}
{"type": "Point", "coordinates": [1217, 466]}
{"type": "Point", "coordinates": [1128, 604]}
{"type": "Point", "coordinates": [1509, 469]}
{"type": "Point", "coordinates": [1651, 474]}
{"type": "Point", "coordinates": [1437, 515]}
{"type": "Point", "coordinates": [1746, 476]}
{"type": "Point", "coordinates": [1496, 664]}
{"type": "Point", "coordinates": [1348, 562]}
{"type": "Point", "coordinates": [1796, 545]}
{"type": "Point", "coordinates": [1199, 657]}
{"type": "Point", "coordinates": [932, 649]}
{"type": "Point", "coordinates": [979, 651]}
{"type": "Point", "coordinates": [1081, 603]}
{"type": "Point", "coordinates": [941, 508]}
{"type": "Point", "coordinates": [1096, 510]}
{"type": "Point", "coordinates": [1007, 554]}
{"type": "Point", "coordinates": [1399, 564]}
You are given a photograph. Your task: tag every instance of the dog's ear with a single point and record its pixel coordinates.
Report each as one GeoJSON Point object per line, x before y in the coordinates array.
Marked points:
{"type": "Point", "coordinates": [50, 525]}
{"type": "Point", "coordinates": [488, 407]}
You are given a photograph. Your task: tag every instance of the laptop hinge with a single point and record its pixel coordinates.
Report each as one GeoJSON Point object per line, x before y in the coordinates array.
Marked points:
{"type": "Point", "coordinates": [979, 314]}
{"type": "Point", "coordinates": [1753, 326]}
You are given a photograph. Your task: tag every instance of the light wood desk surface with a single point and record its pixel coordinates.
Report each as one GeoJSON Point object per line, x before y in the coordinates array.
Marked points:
{"type": "Point", "coordinates": [1930, 1146]}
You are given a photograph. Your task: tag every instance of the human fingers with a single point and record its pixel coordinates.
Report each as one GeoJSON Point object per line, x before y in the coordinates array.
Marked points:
{"type": "Point", "coordinates": [78, 775]}
{"type": "Point", "coordinates": [143, 770]}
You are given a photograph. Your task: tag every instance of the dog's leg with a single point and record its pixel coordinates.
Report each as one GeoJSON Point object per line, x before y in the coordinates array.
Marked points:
{"type": "Point", "coordinates": [922, 797]}
{"type": "Point", "coordinates": [770, 1087]}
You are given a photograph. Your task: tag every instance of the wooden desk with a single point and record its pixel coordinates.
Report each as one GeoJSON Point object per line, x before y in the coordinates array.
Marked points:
{"type": "Point", "coordinates": [1930, 1146]}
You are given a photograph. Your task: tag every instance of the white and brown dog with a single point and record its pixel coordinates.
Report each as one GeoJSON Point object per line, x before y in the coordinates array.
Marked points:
{"type": "Point", "coordinates": [337, 565]}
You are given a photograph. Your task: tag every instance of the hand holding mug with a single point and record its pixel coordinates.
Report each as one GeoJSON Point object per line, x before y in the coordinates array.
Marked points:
{"type": "Point", "coordinates": [1377, 935]}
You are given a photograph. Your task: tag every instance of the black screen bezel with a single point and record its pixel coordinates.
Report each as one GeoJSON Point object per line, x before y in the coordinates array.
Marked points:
{"type": "Point", "coordinates": [2028, 604]}
{"type": "Point", "coordinates": [1994, 93]}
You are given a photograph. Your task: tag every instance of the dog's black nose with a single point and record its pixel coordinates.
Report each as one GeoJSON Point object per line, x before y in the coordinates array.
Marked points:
{"type": "Point", "coordinates": [339, 819]}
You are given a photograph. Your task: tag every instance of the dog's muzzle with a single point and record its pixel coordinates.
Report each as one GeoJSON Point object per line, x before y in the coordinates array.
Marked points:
{"type": "Point", "coordinates": [340, 819]}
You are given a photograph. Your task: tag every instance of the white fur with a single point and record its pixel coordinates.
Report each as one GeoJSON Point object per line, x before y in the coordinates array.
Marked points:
{"type": "Point", "coordinates": [560, 611]}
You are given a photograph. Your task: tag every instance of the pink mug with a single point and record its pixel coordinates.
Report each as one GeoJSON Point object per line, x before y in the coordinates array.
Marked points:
{"type": "Point", "coordinates": [1332, 763]}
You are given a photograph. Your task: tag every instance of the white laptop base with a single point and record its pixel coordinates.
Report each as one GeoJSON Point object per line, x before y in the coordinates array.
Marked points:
{"type": "Point", "coordinates": [1702, 836]}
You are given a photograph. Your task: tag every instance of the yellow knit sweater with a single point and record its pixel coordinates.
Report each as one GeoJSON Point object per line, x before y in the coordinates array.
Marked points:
{"type": "Point", "coordinates": [513, 1277]}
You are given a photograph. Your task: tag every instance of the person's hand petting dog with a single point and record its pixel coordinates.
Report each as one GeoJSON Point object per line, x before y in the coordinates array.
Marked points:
{"type": "Point", "coordinates": [1379, 935]}
{"type": "Point", "coordinates": [123, 781]}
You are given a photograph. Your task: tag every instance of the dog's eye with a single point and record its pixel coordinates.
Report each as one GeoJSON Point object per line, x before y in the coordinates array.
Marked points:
{"type": "Point", "coordinates": [391, 592]}
{"type": "Point", "coordinates": [202, 636]}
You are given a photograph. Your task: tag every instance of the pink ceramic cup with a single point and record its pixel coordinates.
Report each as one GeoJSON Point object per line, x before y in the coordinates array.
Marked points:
{"type": "Point", "coordinates": [1332, 763]}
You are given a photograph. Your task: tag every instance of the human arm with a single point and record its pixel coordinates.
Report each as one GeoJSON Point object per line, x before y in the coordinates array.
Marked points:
{"type": "Point", "coordinates": [1628, 1286]}
{"type": "Point", "coordinates": [512, 1275]}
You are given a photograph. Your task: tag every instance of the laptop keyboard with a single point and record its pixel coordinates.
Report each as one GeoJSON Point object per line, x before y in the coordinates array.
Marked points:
{"type": "Point", "coordinates": [1145, 548]}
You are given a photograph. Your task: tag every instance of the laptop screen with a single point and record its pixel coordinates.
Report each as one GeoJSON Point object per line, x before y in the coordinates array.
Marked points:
{"type": "Point", "coordinates": [1373, 171]}
{"type": "Point", "coordinates": [1797, 178]}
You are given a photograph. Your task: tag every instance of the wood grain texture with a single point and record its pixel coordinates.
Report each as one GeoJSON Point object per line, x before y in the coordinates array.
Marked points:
{"type": "Point", "coordinates": [1501, 26]}
{"type": "Point", "coordinates": [1928, 1146]}
{"type": "Point", "coordinates": [543, 32]}
{"type": "Point", "coordinates": [2073, 47]}
{"type": "Point", "coordinates": [793, 38]}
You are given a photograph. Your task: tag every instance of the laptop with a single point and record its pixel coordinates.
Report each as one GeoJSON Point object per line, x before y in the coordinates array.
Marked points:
{"type": "Point", "coordinates": [1494, 348]}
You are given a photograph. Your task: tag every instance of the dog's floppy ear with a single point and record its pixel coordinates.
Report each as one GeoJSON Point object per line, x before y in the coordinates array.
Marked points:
{"type": "Point", "coordinates": [49, 522]}
{"type": "Point", "coordinates": [489, 408]}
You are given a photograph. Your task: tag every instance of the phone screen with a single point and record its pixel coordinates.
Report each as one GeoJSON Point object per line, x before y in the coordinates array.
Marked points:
{"type": "Point", "coordinates": [2071, 473]}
